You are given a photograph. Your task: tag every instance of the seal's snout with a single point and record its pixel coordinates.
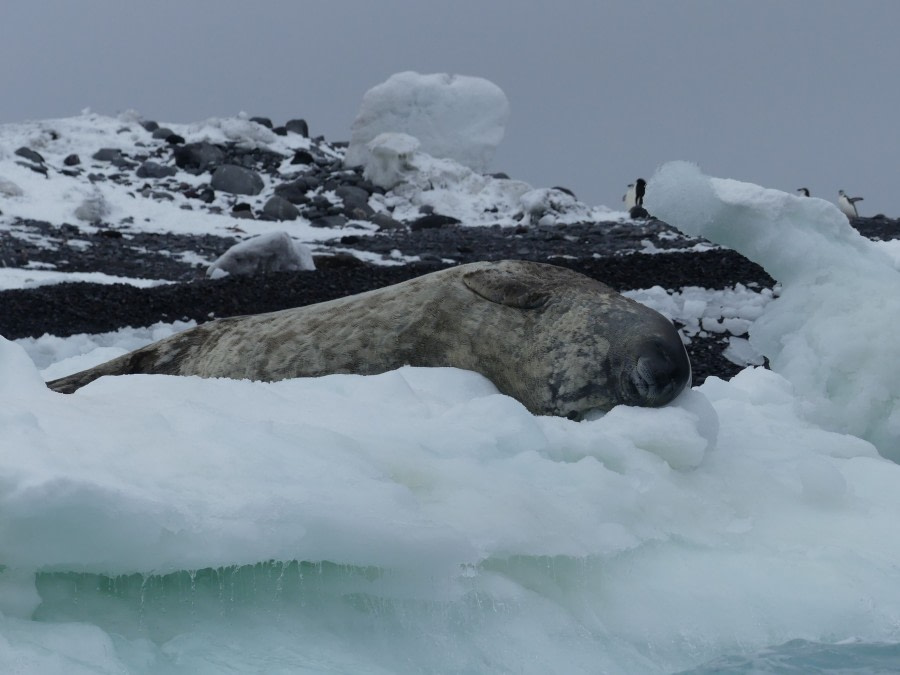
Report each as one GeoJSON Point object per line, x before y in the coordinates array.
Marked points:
{"type": "Point", "coordinates": [661, 371]}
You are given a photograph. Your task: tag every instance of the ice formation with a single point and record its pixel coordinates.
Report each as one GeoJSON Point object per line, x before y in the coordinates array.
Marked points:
{"type": "Point", "coordinates": [389, 158]}
{"type": "Point", "coordinates": [832, 331]}
{"type": "Point", "coordinates": [453, 116]}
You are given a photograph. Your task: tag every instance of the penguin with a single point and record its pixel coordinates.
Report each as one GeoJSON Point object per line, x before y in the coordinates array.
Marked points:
{"type": "Point", "coordinates": [634, 195]}
{"type": "Point", "coordinates": [640, 186]}
{"type": "Point", "coordinates": [848, 204]}
{"type": "Point", "coordinates": [804, 192]}
{"type": "Point", "coordinates": [629, 197]}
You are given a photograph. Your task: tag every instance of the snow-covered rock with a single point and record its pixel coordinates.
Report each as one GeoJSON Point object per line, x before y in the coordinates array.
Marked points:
{"type": "Point", "coordinates": [272, 252]}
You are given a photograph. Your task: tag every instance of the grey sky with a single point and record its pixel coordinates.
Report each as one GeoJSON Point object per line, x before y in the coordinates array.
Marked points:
{"type": "Point", "coordinates": [785, 94]}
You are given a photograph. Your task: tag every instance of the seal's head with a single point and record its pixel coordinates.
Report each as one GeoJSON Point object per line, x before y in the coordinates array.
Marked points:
{"type": "Point", "coordinates": [646, 364]}
{"type": "Point", "coordinates": [654, 370]}
{"type": "Point", "coordinates": [585, 346]}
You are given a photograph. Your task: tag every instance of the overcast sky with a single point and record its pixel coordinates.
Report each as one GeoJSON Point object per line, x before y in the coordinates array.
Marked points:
{"type": "Point", "coordinates": [785, 94]}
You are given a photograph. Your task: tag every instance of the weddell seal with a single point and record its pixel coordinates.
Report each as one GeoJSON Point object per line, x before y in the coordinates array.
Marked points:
{"type": "Point", "coordinates": [558, 341]}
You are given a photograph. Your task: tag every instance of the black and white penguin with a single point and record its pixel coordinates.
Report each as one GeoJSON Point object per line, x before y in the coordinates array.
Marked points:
{"type": "Point", "coordinates": [803, 191]}
{"type": "Point", "coordinates": [848, 204]}
{"type": "Point", "coordinates": [629, 197]}
{"type": "Point", "coordinates": [634, 195]}
{"type": "Point", "coordinates": [640, 186]}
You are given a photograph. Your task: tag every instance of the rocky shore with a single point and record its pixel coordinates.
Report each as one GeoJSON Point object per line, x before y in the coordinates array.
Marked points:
{"type": "Point", "coordinates": [356, 247]}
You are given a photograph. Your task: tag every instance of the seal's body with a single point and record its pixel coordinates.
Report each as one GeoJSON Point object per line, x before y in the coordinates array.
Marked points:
{"type": "Point", "coordinates": [559, 342]}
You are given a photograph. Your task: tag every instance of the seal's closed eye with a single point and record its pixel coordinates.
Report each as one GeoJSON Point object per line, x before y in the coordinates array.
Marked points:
{"type": "Point", "coordinates": [505, 289]}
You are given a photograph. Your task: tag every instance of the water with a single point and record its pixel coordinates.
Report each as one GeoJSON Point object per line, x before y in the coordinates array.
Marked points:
{"type": "Point", "coordinates": [803, 656]}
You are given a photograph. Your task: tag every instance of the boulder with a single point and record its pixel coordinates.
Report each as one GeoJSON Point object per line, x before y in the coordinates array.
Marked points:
{"type": "Point", "coordinates": [279, 208]}
{"type": "Point", "coordinates": [198, 157]}
{"type": "Point", "coordinates": [297, 126]}
{"type": "Point", "coordinates": [236, 180]}
{"type": "Point", "coordinates": [155, 170]}
{"type": "Point", "coordinates": [30, 155]}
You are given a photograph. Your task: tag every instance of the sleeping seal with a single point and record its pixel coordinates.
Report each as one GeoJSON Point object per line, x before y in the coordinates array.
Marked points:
{"type": "Point", "coordinates": [558, 341]}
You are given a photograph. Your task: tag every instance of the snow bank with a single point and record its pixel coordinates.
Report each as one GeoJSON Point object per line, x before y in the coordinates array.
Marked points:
{"type": "Point", "coordinates": [832, 331]}
{"type": "Point", "coordinates": [453, 116]}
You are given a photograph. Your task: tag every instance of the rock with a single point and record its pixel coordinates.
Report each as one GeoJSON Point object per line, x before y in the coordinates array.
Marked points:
{"type": "Point", "coordinates": [158, 195]}
{"type": "Point", "coordinates": [432, 220]}
{"type": "Point", "coordinates": [385, 222]}
{"type": "Point", "coordinates": [298, 127]}
{"type": "Point", "coordinates": [30, 155]}
{"type": "Point", "coordinates": [34, 167]}
{"type": "Point", "coordinates": [149, 125]}
{"type": "Point", "coordinates": [303, 157]}
{"type": "Point", "coordinates": [273, 252]}
{"type": "Point", "coordinates": [161, 133]}
{"type": "Point", "coordinates": [295, 191]}
{"type": "Point", "coordinates": [155, 170]}
{"type": "Point", "coordinates": [175, 139]}
{"type": "Point", "coordinates": [206, 194]}
{"type": "Point", "coordinates": [356, 201]}
{"type": "Point", "coordinates": [263, 121]}
{"type": "Point", "coordinates": [72, 160]}
{"type": "Point", "coordinates": [198, 157]}
{"type": "Point", "coordinates": [338, 261]}
{"type": "Point", "coordinates": [638, 213]}
{"type": "Point", "coordinates": [566, 190]}
{"type": "Point", "coordinates": [279, 208]}
{"type": "Point", "coordinates": [337, 221]}
{"type": "Point", "coordinates": [236, 180]}
{"type": "Point", "coordinates": [108, 234]}
{"type": "Point", "coordinates": [111, 155]}
{"type": "Point", "coordinates": [242, 210]}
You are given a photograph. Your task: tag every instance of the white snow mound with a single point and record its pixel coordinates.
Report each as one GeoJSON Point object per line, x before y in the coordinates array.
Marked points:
{"type": "Point", "coordinates": [454, 116]}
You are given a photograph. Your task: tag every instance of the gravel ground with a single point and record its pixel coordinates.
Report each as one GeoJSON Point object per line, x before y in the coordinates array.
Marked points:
{"type": "Point", "coordinates": [598, 250]}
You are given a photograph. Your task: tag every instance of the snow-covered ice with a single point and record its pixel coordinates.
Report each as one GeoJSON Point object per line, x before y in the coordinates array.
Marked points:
{"type": "Point", "coordinates": [389, 158]}
{"type": "Point", "coordinates": [831, 331]}
{"type": "Point", "coordinates": [455, 117]}
{"type": "Point", "coordinates": [162, 516]}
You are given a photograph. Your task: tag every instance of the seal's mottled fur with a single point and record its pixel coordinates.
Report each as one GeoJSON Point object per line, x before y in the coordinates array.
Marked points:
{"type": "Point", "coordinates": [558, 341]}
